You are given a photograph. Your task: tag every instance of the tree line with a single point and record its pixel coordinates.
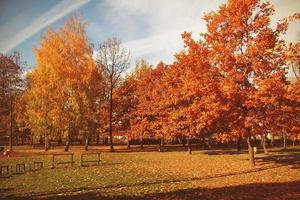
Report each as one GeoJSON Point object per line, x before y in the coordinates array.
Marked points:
{"type": "Point", "coordinates": [231, 84]}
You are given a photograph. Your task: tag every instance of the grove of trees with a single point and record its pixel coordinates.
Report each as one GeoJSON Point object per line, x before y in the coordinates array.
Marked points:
{"type": "Point", "coordinates": [231, 84]}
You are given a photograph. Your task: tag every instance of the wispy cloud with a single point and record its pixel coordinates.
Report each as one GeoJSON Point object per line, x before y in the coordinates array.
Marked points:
{"type": "Point", "coordinates": [160, 47]}
{"type": "Point", "coordinates": [11, 39]}
{"type": "Point", "coordinates": [162, 22]}
{"type": "Point", "coordinates": [152, 29]}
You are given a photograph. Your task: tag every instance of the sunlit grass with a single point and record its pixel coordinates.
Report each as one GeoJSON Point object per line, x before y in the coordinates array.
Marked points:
{"type": "Point", "coordinates": [140, 173]}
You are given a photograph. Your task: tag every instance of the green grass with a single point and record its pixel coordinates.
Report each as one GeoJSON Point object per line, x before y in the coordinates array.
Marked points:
{"type": "Point", "coordinates": [142, 174]}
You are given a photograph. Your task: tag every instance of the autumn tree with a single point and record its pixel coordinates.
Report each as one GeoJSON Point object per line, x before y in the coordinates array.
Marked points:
{"type": "Point", "coordinates": [138, 117]}
{"type": "Point", "coordinates": [248, 54]}
{"type": "Point", "coordinates": [64, 86]}
{"type": "Point", "coordinates": [293, 93]}
{"type": "Point", "coordinates": [126, 102]}
{"type": "Point", "coordinates": [112, 60]}
{"type": "Point", "coordinates": [194, 96]}
{"type": "Point", "coordinates": [11, 86]}
{"type": "Point", "coordinates": [146, 122]}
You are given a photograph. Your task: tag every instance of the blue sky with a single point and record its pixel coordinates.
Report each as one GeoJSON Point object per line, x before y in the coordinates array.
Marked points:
{"type": "Point", "coordinates": [150, 29]}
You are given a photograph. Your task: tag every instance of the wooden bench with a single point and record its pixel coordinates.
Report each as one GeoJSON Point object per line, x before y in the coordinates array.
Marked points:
{"type": "Point", "coordinates": [55, 162]}
{"type": "Point", "coordinates": [4, 171]}
{"type": "Point", "coordinates": [84, 155]}
{"type": "Point", "coordinates": [37, 165]}
{"type": "Point", "coordinates": [20, 168]}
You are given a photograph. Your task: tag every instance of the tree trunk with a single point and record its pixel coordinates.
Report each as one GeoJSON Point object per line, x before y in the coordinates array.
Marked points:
{"type": "Point", "coordinates": [128, 143]}
{"type": "Point", "coordinates": [209, 143]}
{"type": "Point", "coordinates": [251, 151]}
{"type": "Point", "coordinates": [204, 142]}
{"type": "Point", "coordinates": [105, 141]}
{"type": "Point", "coordinates": [284, 140]}
{"type": "Point", "coordinates": [239, 145]}
{"type": "Point", "coordinates": [161, 145]}
{"type": "Point", "coordinates": [31, 140]}
{"type": "Point", "coordinates": [272, 140]}
{"type": "Point", "coordinates": [41, 140]}
{"type": "Point", "coordinates": [263, 143]}
{"type": "Point", "coordinates": [67, 146]}
{"type": "Point", "coordinates": [10, 126]}
{"type": "Point", "coordinates": [110, 118]}
{"type": "Point", "coordinates": [86, 147]}
{"type": "Point", "coordinates": [97, 139]}
{"type": "Point", "coordinates": [189, 145]}
{"type": "Point", "coordinates": [46, 143]}
{"type": "Point", "coordinates": [67, 143]}
{"type": "Point", "coordinates": [59, 140]}
{"type": "Point", "coordinates": [294, 140]}
{"type": "Point", "coordinates": [142, 143]}
{"type": "Point", "coordinates": [183, 141]}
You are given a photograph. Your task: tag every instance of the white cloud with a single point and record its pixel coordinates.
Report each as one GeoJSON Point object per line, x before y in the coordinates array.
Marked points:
{"type": "Point", "coordinates": [284, 9]}
{"type": "Point", "coordinates": [159, 47]}
{"type": "Point", "coordinates": [11, 38]}
{"type": "Point", "coordinates": [160, 21]}
{"type": "Point", "coordinates": [163, 21]}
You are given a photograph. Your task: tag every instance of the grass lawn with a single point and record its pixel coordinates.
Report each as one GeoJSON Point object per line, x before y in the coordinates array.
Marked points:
{"type": "Point", "coordinates": [212, 174]}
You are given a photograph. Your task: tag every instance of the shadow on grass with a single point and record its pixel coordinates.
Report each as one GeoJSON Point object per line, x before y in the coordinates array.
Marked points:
{"type": "Point", "coordinates": [280, 157]}
{"type": "Point", "coordinates": [93, 191]}
{"type": "Point", "coordinates": [289, 150]}
{"type": "Point", "coordinates": [289, 190]}
{"type": "Point", "coordinates": [287, 159]}
{"type": "Point", "coordinates": [223, 152]}
{"type": "Point", "coordinates": [168, 148]}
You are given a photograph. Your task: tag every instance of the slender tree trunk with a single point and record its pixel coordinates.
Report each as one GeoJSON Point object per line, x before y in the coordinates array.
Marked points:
{"type": "Point", "coordinates": [189, 145]}
{"type": "Point", "coordinates": [272, 140]}
{"type": "Point", "coordinates": [183, 141]}
{"type": "Point", "coordinates": [59, 140]}
{"type": "Point", "coordinates": [239, 144]}
{"type": "Point", "coordinates": [110, 118]}
{"type": "Point", "coordinates": [142, 143]}
{"type": "Point", "coordinates": [105, 140]}
{"type": "Point", "coordinates": [31, 140]}
{"type": "Point", "coordinates": [204, 142]}
{"type": "Point", "coordinates": [128, 143]}
{"type": "Point", "coordinates": [33, 145]}
{"type": "Point", "coordinates": [284, 140]}
{"type": "Point", "coordinates": [161, 144]}
{"type": "Point", "coordinates": [251, 151]}
{"type": "Point", "coordinates": [294, 140]}
{"type": "Point", "coordinates": [46, 143]}
{"type": "Point", "coordinates": [263, 143]}
{"type": "Point", "coordinates": [41, 140]}
{"type": "Point", "coordinates": [86, 147]}
{"type": "Point", "coordinates": [10, 126]}
{"type": "Point", "coordinates": [210, 143]}
{"type": "Point", "coordinates": [97, 139]}
{"type": "Point", "coordinates": [67, 143]}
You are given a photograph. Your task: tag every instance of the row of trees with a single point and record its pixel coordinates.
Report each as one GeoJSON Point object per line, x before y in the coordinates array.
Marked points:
{"type": "Point", "coordinates": [230, 84]}
{"type": "Point", "coordinates": [68, 92]}
{"type": "Point", "coordinates": [11, 86]}
{"type": "Point", "coordinates": [68, 89]}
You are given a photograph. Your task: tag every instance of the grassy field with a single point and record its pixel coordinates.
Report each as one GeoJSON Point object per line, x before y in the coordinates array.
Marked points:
{"type": "Point", "coordinates": [211, 174]}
